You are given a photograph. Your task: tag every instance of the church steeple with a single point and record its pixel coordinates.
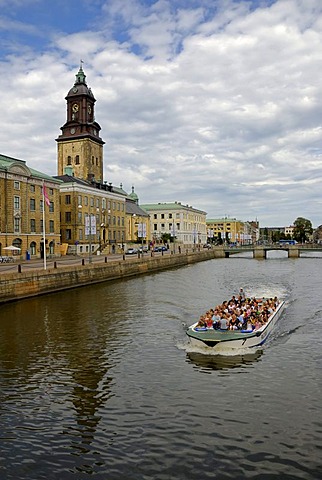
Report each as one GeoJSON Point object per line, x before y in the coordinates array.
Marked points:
{"type": "Point", "coordinates": [79, 146]}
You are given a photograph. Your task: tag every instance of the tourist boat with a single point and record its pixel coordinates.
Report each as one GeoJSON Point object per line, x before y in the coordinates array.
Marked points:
{"type": "Point", "coordinates": [225, 340]}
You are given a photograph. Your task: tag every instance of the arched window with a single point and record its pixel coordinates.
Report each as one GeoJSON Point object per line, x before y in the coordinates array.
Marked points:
{"type": "Point", "coordinates": [77, 160]}
{"type": "Point", "coordinates": [33, 248]}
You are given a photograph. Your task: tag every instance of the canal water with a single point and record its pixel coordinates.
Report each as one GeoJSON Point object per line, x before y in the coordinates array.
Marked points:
{"type": "Point", "coordinates": [100, 383]}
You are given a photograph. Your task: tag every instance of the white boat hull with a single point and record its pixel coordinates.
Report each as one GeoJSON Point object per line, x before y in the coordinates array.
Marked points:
{"type": "Point", "coordinates": [218, 341]}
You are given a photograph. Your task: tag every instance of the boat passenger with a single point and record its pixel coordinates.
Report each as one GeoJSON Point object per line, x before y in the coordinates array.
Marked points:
{"type": "Point", "coordinates": [223, 324]}
{"type": "Point", "coordinates": [242, 294]}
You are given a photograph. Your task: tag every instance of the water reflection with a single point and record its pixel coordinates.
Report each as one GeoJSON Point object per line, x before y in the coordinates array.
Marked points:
{"type": "Point", "coordinates": [222, 362]}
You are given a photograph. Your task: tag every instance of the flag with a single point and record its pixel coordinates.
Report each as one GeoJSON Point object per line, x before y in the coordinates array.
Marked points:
{"type": "Point", "coordinates": [45, 194]}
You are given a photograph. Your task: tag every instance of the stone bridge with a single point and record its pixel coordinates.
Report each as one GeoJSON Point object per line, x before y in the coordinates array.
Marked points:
{"type": "Point", "coordinates": [260, 251]}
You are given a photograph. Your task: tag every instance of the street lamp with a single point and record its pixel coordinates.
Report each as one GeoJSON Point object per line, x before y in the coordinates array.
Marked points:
{"type": "Point", "coordinates": [174, 238]}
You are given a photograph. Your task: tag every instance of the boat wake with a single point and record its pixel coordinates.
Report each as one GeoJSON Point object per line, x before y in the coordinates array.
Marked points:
{"type": "Point", "coordinates": [206, 359]}
{"type": "Point", "coordinates": [224, 352]}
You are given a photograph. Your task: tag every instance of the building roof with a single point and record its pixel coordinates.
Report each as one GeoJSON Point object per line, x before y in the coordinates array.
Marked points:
{"type": "Point", "coordinates": [19, 166]}
{"type": "Point", "coordinates": [222, 220]}
{"type": "Point", "coordinates": [132, 208]}
{"type": "Point", "coordinates": [170, 206]}
{"type": "Point", "coordinates": [108, 187]}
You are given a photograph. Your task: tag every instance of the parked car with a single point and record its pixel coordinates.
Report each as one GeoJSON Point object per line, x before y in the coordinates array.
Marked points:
{"type": "Point", "coordinates": [131, 251]}
{"type": "Point", "coordinates": [160, 248]}
{"type": "Point", "coordinates": [145, 249]}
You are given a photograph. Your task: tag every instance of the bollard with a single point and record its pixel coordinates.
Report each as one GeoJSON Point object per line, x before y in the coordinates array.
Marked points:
{"type": "Point", "coordinates": [19, 268]}
{"type": "Point", "coordinates": [105, 259]}
{"type": "Point", "coordinates": [55, 264]}
{"type": "Point", "coordinates": [83, 261]}
{"type": "Point", "coordinates": [123, 256]}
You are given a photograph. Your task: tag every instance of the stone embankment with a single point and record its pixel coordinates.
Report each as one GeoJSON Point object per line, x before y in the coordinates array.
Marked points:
{"type": "Point", "coordinates": [17, 286]}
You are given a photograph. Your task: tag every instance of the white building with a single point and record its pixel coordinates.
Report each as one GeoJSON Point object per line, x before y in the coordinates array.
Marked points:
{"type": "Point", "coordinates": [185, 223]}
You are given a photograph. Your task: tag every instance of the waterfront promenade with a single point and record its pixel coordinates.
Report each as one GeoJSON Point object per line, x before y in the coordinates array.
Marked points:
{"type": "Point", "coordinates": [27, 278]}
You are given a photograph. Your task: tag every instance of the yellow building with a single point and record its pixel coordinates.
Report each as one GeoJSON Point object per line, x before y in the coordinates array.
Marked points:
{"type": "Point", "coordinates": [231, 230]}
{"type": "Point", "coordinates": [228, 230]}
{"type": "Point", "coordinates": [24, 223]}
{"type": "Point", "coordinates": [92, 210]}
{"type": "Point", "coordinates": [138, 227]}
{"type": "Point", "coordinates": [92, 216]}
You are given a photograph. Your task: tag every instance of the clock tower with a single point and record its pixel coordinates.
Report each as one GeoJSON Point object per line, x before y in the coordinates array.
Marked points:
{"type": "Point", "coordinates": [80, 147]}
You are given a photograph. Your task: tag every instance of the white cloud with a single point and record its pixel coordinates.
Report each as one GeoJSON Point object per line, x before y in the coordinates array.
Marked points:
{"type": "Point", "coordinates": [221, 112]}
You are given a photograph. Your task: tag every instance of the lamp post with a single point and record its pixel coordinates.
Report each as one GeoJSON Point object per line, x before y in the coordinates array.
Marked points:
{"type": "Point", "coordinates": [174, 237]}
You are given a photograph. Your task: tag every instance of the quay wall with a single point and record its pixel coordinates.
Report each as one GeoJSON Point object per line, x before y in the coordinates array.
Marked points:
{"type": "Point", "coordinates": [17, 286]}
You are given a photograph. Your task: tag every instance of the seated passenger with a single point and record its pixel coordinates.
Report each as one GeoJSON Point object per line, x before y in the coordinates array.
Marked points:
{"type": "Point", "coordinates": [209, 322]}
{"type": "Point", "coordinates": [223, 323]}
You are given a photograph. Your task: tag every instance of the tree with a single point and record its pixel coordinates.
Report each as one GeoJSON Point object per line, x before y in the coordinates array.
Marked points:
{"type": "Point", "coordinates": [302, 229]}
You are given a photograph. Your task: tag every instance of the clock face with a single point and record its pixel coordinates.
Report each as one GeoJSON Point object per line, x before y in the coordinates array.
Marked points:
{"type": "Point", "coordinates": [75, 107]}
{"type": "Point", "coordinates": [75, 89]}
{"type": "Point", "coordinates": [89, 109]}
{"type": "Point", "coordinates": [72, 131]}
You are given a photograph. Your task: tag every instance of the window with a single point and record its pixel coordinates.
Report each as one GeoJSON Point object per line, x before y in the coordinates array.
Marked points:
{"type": "Point", "coordinates": [16, 185]}
{"type": "Point", "coordinates": [68, 217]}
{"type": "Point", "coordinates": [17, 225]}
{"type": "Point", "coordinates": [16, 203]}
{"type": "Point", "coordinates": [92, 202]}
{"type": "Point", "coordinates": [86, 201]}
{"type": "Point", "coordinates": [170, 215]}
{"type": "Point", "coordinates": [77, 160]}
{"type": "Point", "coordinates": [69, 160]}
{"type": "Point", "coordinates": [80, 218]}
{"type": "Point", "coordinates": [32, 225]}
{"type": "Point", "coordinates": [80, 234]}
{"type": "Point", "coordinates": [80, 200]}
{"type": "Point", "coordinates": [51, 207]}
{"type": "Point", "coordinates": [51, 226]}
{"type": "Point", "coordinates": [155, 216]}
{"type": "Point", "coordinates": [32, 188]}
{"type": "Point", "coordinates": [68, 234]}
{"type": "Point", "coordinates": [155, 227]}
{"type": "Point", "coordinates": [162, 215]}
{"type": "Point", "coordinates": [92, 159]}
{"type": "Point", "coordinates": [104, 203]}
{"type": "Point", "coordinates": [97, 203]}
{"type": "Point", "coordinates": [51, 191]}
{"type": "Point", "coordinates": [67, 200]}
{"type": "Point", "coordinates": [33, 248]}
{"type": "Point", "coordinates": [32, 204]}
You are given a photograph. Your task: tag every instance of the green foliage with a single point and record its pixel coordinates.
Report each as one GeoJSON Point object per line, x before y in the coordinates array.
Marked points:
{"type": "Point", "coordinates": [166, 237]}
{"type": "Point", "coordinates": [302, 229]}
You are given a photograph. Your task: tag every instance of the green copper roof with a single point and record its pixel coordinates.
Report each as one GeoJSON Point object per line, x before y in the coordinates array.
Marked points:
{"type": "Point", "coordinates": [170, 206]}
{"type": "Point", "coordinates": [6, 163]}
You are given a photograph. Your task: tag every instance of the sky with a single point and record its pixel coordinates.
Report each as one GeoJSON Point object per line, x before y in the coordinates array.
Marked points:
{"type": "Point", "coordinates": [212, 103]}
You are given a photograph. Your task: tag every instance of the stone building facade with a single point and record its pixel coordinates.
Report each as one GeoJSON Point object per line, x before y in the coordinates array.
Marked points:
{"type": "Point", "coordinates": [26, 221]}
